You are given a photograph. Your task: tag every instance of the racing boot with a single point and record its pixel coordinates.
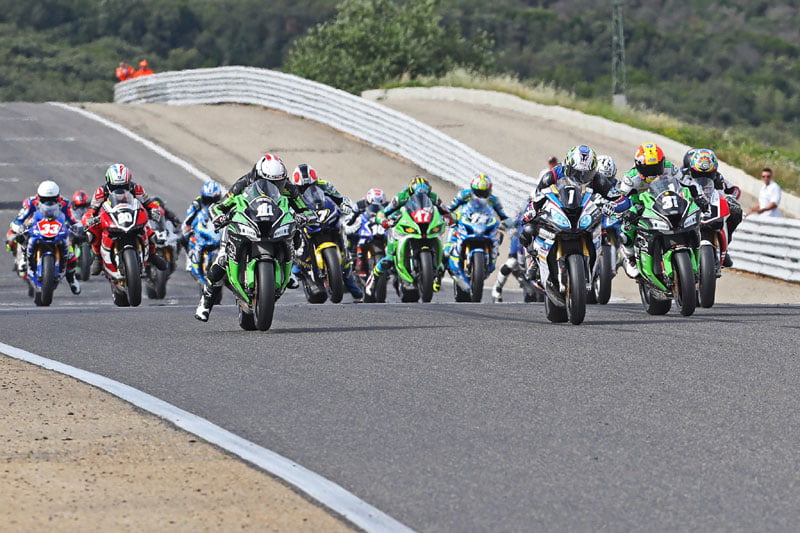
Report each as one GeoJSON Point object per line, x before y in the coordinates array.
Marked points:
{"type": "Point", "coordinates": [74, 284]}
{"type": "Point", "coordinates": [352, 286]}
{"type": "Point", "coordinates": [629, 262]}
{"type": "Point", "coordinates": [210, 295]}
{"type": "Point", "coordinates": [369, 288]}
{"type": "Point", "coordinates": [437, 279]}
{"type": "Point", "coordinates": [532, 268]}
{"type": "Point", "coordinates": [294, 280]}
{"type": "Point", "coordinates": [727, 262]}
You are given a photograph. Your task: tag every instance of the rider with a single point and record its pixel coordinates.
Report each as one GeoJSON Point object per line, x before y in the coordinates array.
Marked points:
{"type": "Point", "coordinates": [580, 166]}
{"type": "Point", "coordinates": [210, 193]}
{"type": "Point", "coordinates": [48, 192]}
{"type": "Point", "coordinates": [516, 255]}
{"type": "Point", "coordinates": [650, 164]}
{"type": "Point", "coordinates": [303, 177]}
{"type": "Point", "coordinates": [117, 177]}
{"type": "Point", "coordinates": [374, 199]}
{"type": "Point", "coordinates": [703, 163]}
{"type": "Point", "coordinates": [479, 187]}
{"type": "Point", "coordinates": [271, 168]}
{"type": "Point", "coordinates": [418, 185]}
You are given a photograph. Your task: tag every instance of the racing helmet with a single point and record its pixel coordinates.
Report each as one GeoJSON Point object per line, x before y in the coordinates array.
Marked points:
{"type": "Point", "coordinates": [703, 163]}
{"type": "Point", "coordinates": [419, 184]}
{"type": "Point", "coordinates": [649, 161]}
{"type": "Point", "coordinates": [375, 196]}
{"type": "Point", "coordinates": [481, 186]}
{"type": "Point", "coordinates": [606, 167]}
{"type": "Point", "coordinates": [580, 164]}
{"type": "Point", "coordinates": [211, 192]}
{"type": "Point", "coordinates": [304, 175]}
{"type": "Point", "coordinates": [271, 168]}
{"type": "Point", "coordinates": [687, 157]}
{"type": "Point", "coordinates": [118, 176]}
{"type": "Point", "coordinates": [48, 192]}
{"type": "Point", "coordinates": [80, 198]}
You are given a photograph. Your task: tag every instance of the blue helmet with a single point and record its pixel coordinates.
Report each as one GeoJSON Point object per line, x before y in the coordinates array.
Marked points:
{"type": "Point", "coordinates": [211, 191]}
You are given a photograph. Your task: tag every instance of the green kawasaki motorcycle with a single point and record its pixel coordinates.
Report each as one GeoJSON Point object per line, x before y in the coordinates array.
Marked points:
{"type": "Point", "coordinates": [262, 226]}
{"type": "Point", "coordinates": [667, 247]}
{"type": "Point", "coordinates": [417, 248]}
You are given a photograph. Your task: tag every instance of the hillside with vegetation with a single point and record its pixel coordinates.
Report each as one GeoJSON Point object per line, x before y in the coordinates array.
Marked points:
{"type": "Point", "coordinates": [727, 71]}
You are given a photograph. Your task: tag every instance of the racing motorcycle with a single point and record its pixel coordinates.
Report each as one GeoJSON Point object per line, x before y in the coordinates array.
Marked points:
{"type": "Point", "coordinates": [166, 247]}
{"type": "Point", "coordinates": [123, 221]}
{"type": "Point", "coordinates": [371, 248]}
{"type": "Point", "coordinates": [48, 235]}
{"type": "Point", "coordinates": [320, 258]}
{"type": "Point", "coordinates": [566, 245]}
{"type": "Point", "coordinates": [666, 247]}
{"type": "Point", "coordinates": [81, 247]}
{"type": "Point", "coordinates": [204, 244]}
{"type": "Point", "coordinates": [608, 260]}
{"type": "Point", "coordinates": [472, 255]}
{"type": "Point", "coordinates": [713, 241]}
{"type": "Point", "coordinates": [418, 254]}
{"type": "Point", "coordinates": [262, 227]}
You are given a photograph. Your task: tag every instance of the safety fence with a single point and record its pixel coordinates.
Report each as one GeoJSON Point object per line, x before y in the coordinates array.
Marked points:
{"type": "Point", "coordinates": [761, 246]}
{"type": "Point", "coordinates": [422, 145]}
{"type": "Point", "coordinates": [768, 246]}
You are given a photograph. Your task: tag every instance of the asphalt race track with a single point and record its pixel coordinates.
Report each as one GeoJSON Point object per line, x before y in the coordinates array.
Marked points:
{"type": "Point", "coordinates": [448, 417]}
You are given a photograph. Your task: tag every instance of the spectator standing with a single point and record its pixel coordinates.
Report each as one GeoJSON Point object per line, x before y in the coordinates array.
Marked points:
{"type": "Point", "coordinates": [124, 71]}
{"type": "Point", "coordinates": [769, 198]}
{"type": "Point", "coordinates": [144, 70]}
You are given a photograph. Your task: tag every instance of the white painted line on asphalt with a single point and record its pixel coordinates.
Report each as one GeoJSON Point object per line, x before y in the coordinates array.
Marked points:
{"type": "Point", "coordinates": [317, 487]}
{"type": "Point", "coordinates": [38, 139]}
{"type": "Point", "coordinates": [169, 156]}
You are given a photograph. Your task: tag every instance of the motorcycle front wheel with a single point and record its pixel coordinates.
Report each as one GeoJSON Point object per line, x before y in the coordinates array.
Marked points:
{"type": "Point", "coordinates": [708, 276]}
{"type": "Point", "coordinates": [426, 275]}
{"type": "Point", "coordinates": [133, 276]}
{"type": "Point", "coordinates": [44, 297]}
{"type": "Point", "coordinates": [684, 290]}
{"type": "Point", "coordinates": [478, 276]}
{"type": "Point", "coordinates": [576, 289]}
{"type": "Point", "coordinates": [85, 263]}
{"type": "Point", "coordinates": [333, 268]}
{"type": "Point", "coordinates": [264, 305]}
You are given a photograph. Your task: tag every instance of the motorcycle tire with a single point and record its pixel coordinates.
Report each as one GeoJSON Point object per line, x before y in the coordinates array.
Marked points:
{"type": "Point", "coordinates": [133, 276]}
{"type": "Point", "coordinates": [314, 293]}
{"type": "Point", "coordinates": [426, 275]}
{"type": "Point", "coordinates": [708, 276]}
{"type": "Point", "coordinates": [576, 289]}
{"type": "Point", "coordinates": [44, 296]}
{"type": "Point", "coordinates": [157, 287]}
{"type": "Point", "coordinates": [460, 295]}
{"type": "Point", "coordinates": [264, 305]}
{"type": "Point", "coordinates": [477, 276]}
{"type": "Point", "coordinates": [554, 313]}
{"type": "Point", "coordinates": [120, 299]}
{"type": "Point", "coordinates": [85, 262]}
{"type": "Point", "coordinates": [246, 321]}
{"type": "Point", "coordinates": [380, 285]}
{"type": "Point", "coordinates": [333, 268]}
{"type": "Point", "coordinates": [684, 289]}
{"type": "Point", "coordinates": [653, 306]}
{"type": "Point", "coordinates": [605, 273]}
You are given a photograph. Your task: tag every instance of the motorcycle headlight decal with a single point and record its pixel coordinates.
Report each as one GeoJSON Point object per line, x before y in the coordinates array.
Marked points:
{"type": "Point", "coordinates": [585, 221]}
{"type": "Point", "coordinates": [560, 219]}
{"type": "Point", "coordinates": [409, 229]}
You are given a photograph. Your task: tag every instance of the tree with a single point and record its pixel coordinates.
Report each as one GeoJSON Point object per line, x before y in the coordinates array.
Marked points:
{"type": "Point", "coordinates": [372, 41]}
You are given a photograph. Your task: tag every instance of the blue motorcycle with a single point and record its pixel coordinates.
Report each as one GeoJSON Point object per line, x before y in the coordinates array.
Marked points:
{"type": "Point", "coordinates": [370, 249]}
{"type": "Point", "coordinates": [203, 246]}
{"type": "Point", "coordinates": [320, 256]}
{"type": "Point", "coordinates": [608, 260]}
{"type": "Point", "coordinates": [48, 245]}
{"type": "Point", "coordinates": [473, 248]}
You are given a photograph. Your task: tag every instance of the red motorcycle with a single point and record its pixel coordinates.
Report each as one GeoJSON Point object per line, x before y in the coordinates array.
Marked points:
{"type": "Point", "coordinates": [713, 241]}
{"type": "Point", "coordinates": [124, 246]}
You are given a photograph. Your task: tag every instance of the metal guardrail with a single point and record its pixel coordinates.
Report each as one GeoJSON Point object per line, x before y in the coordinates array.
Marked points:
{"type": "Point", "coordinates": [767, 247]}
{"type": "Point", "coordinates": [422, 145]}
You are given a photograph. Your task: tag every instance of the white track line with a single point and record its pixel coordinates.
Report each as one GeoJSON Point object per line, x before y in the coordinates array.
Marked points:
{"type": "Point", "coordinates": [169, 156]}
{"type": "Point", "coordinates": [324, 491]}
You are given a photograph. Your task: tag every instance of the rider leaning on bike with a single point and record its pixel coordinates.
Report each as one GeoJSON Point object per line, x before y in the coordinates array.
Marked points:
{"type": "Point", "coordinates": [271, 168]}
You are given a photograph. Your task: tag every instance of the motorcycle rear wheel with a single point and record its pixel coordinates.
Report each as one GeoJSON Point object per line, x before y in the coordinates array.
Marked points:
{"type": "Point", "coordinates": [85, 263]}
{"type": "Point", "coordinates": [157, 287]}
{"type": "Point", "coordinates": [478, 276]}
{"type": "Point", "coordinates": [605, 273]}
{"type": "Point", "coordinates": [554, 313]}
{"type": "Point", "coordinates": [246, 321]}
{"type": "Point", "coordinates": [333, 268]}
{"type": "Point", "coordinates": [653, 306]}
{"type": "Point", "coordinates": [264, 305]}
{"type": "Point", "coordinates": [44, 296]}
{"type": "Point", "coordinates": [576, 289]}
{"type": "Point", "coordinates": [708, 276]}
{"type": "Point", "coordinates": [684, 290]}
{"type": "Point", "coordinates": [133, 276]}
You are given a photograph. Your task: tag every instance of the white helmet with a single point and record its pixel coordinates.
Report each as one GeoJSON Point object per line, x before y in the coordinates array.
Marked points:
{"type": "Point", "coordinates": [48, 191]}
{"type": "Point", "coordinates": [270, 167]}
{"type": "Point", "coordinates": [606, 167]}
{"type": "Point", "coordinates": [304, 175]}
